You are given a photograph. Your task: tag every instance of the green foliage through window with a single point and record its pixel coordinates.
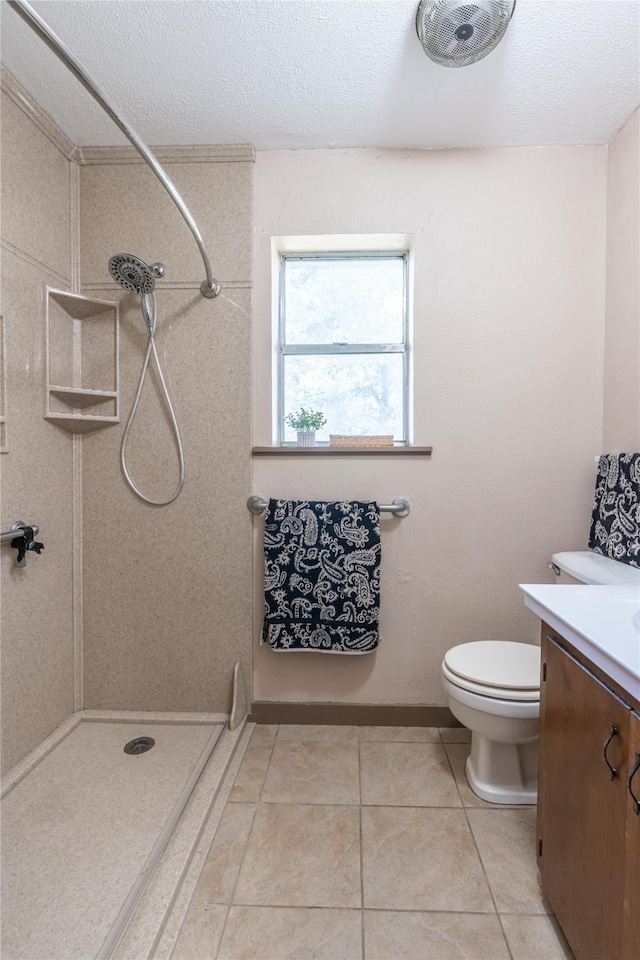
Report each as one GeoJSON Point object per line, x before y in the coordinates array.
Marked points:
{"type": "Point", "coordinates": [343, 342]}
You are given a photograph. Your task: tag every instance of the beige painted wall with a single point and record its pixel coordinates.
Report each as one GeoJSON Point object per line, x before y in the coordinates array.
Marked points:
{"type": "Point", "coordinates": [509, 313]}
{"type": "Point", "coordinates": [622, 345]}
{"type": "Point", "coordinates": [38, 183]}
{"type": "Point", "coordinates": [167, 597]}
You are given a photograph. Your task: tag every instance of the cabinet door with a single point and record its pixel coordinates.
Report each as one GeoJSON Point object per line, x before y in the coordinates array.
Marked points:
{"type": "Point", "coordinates": [581, 809]}
{"type": "Point", "coordinates": [631, 918]}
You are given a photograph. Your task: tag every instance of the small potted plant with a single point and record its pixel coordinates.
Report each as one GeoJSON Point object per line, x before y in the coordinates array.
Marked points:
{"type": "Point", "coordinates": [306, 422]}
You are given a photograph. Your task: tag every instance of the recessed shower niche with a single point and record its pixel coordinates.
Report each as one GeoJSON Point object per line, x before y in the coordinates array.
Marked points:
{"type": "Point", "coordinates": [82, 362]}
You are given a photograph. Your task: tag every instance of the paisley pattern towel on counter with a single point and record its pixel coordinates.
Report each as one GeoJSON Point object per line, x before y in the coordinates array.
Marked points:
{"type": "Point", "coordinates": [322, 576]}
{"type": "Point", "coordinates": [615, 523]}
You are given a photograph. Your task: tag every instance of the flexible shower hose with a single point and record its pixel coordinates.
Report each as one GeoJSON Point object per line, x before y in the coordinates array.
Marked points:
{"type": "Point", "coordinates": [148, 303]}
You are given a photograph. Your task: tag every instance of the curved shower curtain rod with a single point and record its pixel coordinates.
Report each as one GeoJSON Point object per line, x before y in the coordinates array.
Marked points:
{"type": "Point", "coordinates": [209, 288]}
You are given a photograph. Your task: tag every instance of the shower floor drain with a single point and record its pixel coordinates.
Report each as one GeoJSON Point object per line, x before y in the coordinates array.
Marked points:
{"type": "Point", "coordinates": [139, 745]}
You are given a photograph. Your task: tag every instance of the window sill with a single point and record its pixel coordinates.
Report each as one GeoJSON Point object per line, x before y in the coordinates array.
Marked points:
{"type": "Point", "coordinates": [294, 451]}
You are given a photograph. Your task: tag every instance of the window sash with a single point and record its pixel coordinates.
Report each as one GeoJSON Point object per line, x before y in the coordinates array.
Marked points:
{"type": "Point", "coordinates": [324, 348]}
{"type": "Point", "coordinates": [289, 349]}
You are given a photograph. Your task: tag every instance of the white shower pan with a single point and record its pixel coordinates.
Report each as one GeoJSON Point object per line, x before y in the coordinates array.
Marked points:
{"type": "Point", "coordinates": [84, 825]}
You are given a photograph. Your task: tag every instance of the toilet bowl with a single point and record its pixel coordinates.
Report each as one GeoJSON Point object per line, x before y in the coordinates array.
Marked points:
{"type": "Point", "coordinates": [493, 688]}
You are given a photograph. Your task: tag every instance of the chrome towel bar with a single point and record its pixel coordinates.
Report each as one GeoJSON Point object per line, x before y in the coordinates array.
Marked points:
{"type": "Point", "coordinates": [400, 507]}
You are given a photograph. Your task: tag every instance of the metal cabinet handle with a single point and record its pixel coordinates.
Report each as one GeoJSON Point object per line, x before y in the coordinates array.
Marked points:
{"type": "Point", "coordinates": [613, 773]}
{"type": "Point", "coordinates": [632, 773]}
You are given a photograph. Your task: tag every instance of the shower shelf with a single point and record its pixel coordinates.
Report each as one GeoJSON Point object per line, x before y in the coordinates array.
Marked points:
{"type": "Point", "coordinates": [77, 397]}
{"type": "Point", "coordinates": [82, 362]}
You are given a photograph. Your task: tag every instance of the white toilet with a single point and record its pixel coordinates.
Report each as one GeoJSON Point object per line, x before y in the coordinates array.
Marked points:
{"type": "Point", "coordinates": [493, 688]}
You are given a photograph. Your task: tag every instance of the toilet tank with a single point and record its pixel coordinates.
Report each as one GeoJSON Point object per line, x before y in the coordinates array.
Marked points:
{"type": "Point", "coordinates": [585, 566]}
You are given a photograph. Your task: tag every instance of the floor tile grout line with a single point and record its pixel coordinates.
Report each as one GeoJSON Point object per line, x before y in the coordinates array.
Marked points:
{"type": "Point", "coordinates": [362, 941]}
{"type": "Point", "coordinates": [244, 852]}
{"type": "Point", "coordinates": [354, 803]}
{"type": "Point", "coordinates": [453, 913]}
{"type": "Point", "coordinates": [453, 776]}
{"type": "Point", "coordinates": [374, 909]}
{"type": "Point", "coordinates": [360, 739]}
{"type": "Point", "coordinates": [266, 772]}
{"type": "Point", "coordinates": [222, 930]}
{"type": "Point", "coordinates": [489, 887]}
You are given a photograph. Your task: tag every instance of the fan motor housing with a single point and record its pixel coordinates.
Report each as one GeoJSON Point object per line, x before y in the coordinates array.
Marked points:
{"type": "Point", "coordinates": [455, 34]}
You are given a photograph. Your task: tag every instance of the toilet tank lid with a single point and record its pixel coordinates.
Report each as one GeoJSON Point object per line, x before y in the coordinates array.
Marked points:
{"type": "Point", "coordinates": [496, 663]}
{"type": "Point", "coordinates": [593, 568]}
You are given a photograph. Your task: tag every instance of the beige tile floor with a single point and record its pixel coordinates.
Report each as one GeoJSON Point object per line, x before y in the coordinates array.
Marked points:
{"type": "Point", "coordinates": [366, 843]}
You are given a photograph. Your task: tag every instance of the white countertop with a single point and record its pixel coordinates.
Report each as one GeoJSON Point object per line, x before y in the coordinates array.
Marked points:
{"type": "Point", "coordinates": [601, 622]}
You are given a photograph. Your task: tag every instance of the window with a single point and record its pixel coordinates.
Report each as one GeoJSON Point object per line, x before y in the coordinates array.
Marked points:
{"type": "Point", "coordinates": [343, 342]}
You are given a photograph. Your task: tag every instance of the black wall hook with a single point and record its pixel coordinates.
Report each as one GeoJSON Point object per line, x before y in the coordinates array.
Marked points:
{"type": "Point", "coordinates": [25, 540]}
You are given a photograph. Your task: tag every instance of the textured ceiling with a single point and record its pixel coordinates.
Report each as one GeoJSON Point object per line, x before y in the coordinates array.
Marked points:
{"type": "Point", "coordinates": [287, 74]}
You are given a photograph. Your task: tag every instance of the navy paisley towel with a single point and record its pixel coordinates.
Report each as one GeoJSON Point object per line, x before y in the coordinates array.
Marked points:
{"type": "Point", "coordinates": [322, 576]}
{"type": "Point", "coordinates": [615, 522]}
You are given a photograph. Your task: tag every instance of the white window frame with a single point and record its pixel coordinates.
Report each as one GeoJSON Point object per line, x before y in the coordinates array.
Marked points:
{"type": "Point", "coordinates": [397, 246]}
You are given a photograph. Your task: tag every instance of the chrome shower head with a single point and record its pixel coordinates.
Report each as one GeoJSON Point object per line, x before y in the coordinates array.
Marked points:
{"type": "Point", "coordinates": [132, 273]}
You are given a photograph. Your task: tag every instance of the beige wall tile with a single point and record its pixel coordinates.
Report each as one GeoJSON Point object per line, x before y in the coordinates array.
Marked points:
{"type": "Point", "coordinates": [36, 192]}
{"type": "Point", "coordinates": [167, 596]}
{"type": "Point", "coordinates": [37, 614]}
{"type": "Point", "coordinates": [37, 472]}
{"type": "Point", "coordinates": [167, 609]}
{"type": "Point", "coordinates": [125, 209]}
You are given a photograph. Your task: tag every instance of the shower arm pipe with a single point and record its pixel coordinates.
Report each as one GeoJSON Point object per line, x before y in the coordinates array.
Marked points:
{"type": "Point", "coordinates": [400, 507]}
{"type": "Point", "coordinates": [209, 288]}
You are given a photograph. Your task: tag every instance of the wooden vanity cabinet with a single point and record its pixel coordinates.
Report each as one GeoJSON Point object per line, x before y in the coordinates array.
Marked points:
{"type": "Point", "coordinates": [588, 830]}
{"type": "Point", "coordinates": [631, 918]}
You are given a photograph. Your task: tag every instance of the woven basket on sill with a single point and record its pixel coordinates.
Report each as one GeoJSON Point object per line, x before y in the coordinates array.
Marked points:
{"type": "Point", "coordinates": [344, 440]}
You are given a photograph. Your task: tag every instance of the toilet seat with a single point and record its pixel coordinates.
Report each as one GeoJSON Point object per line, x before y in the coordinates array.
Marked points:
{"type": "Point", "coordinates": [500, 669]}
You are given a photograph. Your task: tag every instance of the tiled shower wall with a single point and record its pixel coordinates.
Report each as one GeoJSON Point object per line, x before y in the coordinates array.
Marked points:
{"type": "Point", "coordinates": [38, 203]}
{"type": "Point", "coordinates": [167, 595]}
{"type": "Point", "coordinates": [130, 606]}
